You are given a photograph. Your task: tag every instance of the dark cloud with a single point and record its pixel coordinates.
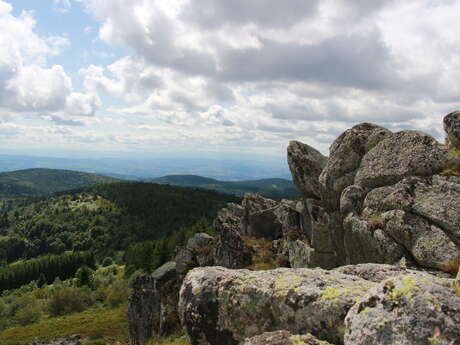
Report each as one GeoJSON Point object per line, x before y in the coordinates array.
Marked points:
{"type": "Point", "coordinates": [210, 14]}
{"type": "Point", "coordinates": [358, 60]}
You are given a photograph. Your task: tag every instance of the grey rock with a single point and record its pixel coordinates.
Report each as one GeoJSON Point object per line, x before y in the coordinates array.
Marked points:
{"type": "Point", "coordinates": [402, 154]}
{"type": "Point", "coordinates": [259, 218]}
{"type": "Point", "coordinates": [351, 200]}
{"type": "Point", "coordinates": [284, 338]}
{"type": "Point", "coordinates": [378, 272]}
{"type": "Point", "coordinates": [405, 310]}
{"type": "Point", "coordinates": [300, 254]}
{"type": "Point", "coordinates": [219, 306]}
{"type": "Point", "coordinates": [198, 252]}
{"type": "Point", "coordinates": [365, 241]}
{"type": "Point", "coordinates": [345, 158]}
{"type": "Point", "coordinates": [439, 201]}
{"type": "Point", "coordinates": [143, 311]}
{"type": "Point", "coordinates": [428, 244]}
{"type": "Point", "coordinates": [306, 165]}
{"type": "Point", "coordinates": [452, 129]}
{"type": "Point", "coordinates": [232, 251]}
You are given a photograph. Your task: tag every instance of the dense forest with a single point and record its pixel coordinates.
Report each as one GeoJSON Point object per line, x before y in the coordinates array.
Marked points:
{"type": "Point", "coordinates": [103, 219]}
{"type": "Point", "coordinates": [276, 188]}
{"type": "Point", "coordinates": [34, 182]}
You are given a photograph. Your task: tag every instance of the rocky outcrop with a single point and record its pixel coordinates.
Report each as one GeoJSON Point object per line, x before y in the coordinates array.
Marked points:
{"type": "Point", "coordinates": [219, 306]}
{"type": "Point", "coordinates": [382, 198]}
{"type": "Point", "coordinates": [306, 165]}
{"type": "Point", "coordinates": [284, 338]}
{"type": "Point", "coordinates": [405, 310]}
{"type": "Point", "coordinates": [259, 218]}
{"type": "Point", "coordinates": [452, 129]}
{"type": "Point", "coordinates": [143, 311]}
{"type": "Point", "coordinates": [152, 307]}
{"type": "Point", "coordinates": [366, 304]}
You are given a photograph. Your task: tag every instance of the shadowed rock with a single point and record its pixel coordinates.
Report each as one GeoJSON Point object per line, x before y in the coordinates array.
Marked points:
{"type": "Point", "coordinates": [452, 129]}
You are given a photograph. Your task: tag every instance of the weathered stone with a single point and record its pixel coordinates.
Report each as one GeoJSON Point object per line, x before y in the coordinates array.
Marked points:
{"type": "Point", "coordinates": [219, 306]}
{"type": "Point", "coordinates": [428, 244]}
{"type": "Point", "coordinates": [143, 311]}
{"type": "Point", "coordinates": [452, 129]}
{"type": "Point", "coordinates": [232, 251]}
{"type": "Point", "coordinates": [168, 293]}
{"type": "Point", "coordinates": [306, 165]}
{"type": "Point", "coordinates": [401, 154]}
{"type": "Point", "coordinates": [291, 220]}
{"type": "Point", "coordinates": [345, 158]}
{"type": "Point", "coordinates": [198, 252]}
{"type": "Point", "coordinates": [228, 218]}
{"type": "Point", "coordinates": [439, 201]}
{"type": "Point", "coordinates": [378, 272]}
{"type": "Point", "coordinates": [405, 310]}
{"type": "Point", "coordinates": [365, 241]}
{"type": "Point", "coordinates": [300, 254]}
{"type": "Point", "coordinates": [351, 200]}
{"type": "Point", "coordinates": [284, 338]}
{"type": "Point", "coordinates": [259, 218]}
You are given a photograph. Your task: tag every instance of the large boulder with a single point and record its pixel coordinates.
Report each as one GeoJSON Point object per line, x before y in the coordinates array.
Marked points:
{"type": "Point", "coordinates": [284, 338]}
{"type": "Point", "coordinates": [452, 129]}
{"type": "Point", "coordinates": [306, 165]}
{"type": "Point", "coordinates": [219, 306]}
{"type": "Point", "coordinates": [345, 158]}
{"type": "Point", "coordinates": [406, 310]}
{"type": "Point", "coordinates": [406, 153]}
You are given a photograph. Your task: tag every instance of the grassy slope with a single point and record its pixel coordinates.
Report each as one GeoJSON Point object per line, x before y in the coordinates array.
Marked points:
{"type": "Point", "coordinates": [274, 187]}
{"type": "Point", "coordinates": [103, 325]}
{"type": "Point", "coordinates": [33, 182]}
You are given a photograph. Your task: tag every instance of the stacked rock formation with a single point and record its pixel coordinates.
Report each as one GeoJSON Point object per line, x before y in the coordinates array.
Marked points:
{"type": "Point", "coordinates": [373, 248]}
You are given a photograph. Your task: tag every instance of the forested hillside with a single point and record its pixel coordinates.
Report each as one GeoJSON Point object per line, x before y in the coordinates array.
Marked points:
{"type": "Point", "coordinates": [34, 182]}
{"type": "Point", "coordinates": [103, 219]}
{"type": "Point", "coordinates": [273, 187]}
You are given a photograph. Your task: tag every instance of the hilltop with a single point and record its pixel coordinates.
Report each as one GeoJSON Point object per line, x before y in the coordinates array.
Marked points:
{"type": "Point", "coordinates": [39, 181]}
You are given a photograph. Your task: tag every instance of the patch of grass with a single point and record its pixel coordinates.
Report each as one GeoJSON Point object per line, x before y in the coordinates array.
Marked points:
{"type": "Point", "coordinates": [375, 221]}
{"type": "Point", "coordinates": [104, 324]}
{"type": "Point", "coordinates": [263, 257]}
{"type": "Point", "coordinates": [452, 168]}
{"type": "Point", "coordinates": [177, 339]}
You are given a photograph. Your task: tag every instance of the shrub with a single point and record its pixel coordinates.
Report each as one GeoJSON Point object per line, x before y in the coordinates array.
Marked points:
{"type": "Point", "coordinates": [84, 276]}
{"type": "Point", "coordinates": [107, 262]}
{"type": "Point", "coordinates": [69, 300]}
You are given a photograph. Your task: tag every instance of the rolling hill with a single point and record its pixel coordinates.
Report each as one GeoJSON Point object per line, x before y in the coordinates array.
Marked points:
{"type": "Point", "coordinates": [36, 182]}
{"type": "Point", "coordinates": [271, 187]}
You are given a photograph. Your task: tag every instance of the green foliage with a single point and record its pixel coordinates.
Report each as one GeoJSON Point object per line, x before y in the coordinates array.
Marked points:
{"type": "Point", "coordinates": [272, 188]}
{"type": "Point", "coordinates": [84, 276]}
{"type": "Point", "coordinates": [104, 219]}
{"type": "Point", "coordinates": [110, 324]}
{"type": "Point", "coordinates": [33, 182]}
{"type": "Point", "coordinates": [108, 261]}
{"type": "Point", "coordinates": [68, 300]}
{"type": "Point", "coordinates": [52, 266]}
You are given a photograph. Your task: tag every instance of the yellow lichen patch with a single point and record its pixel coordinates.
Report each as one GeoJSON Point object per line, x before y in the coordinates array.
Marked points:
{"type": "Point", "coordinates": [331, 293]}
{"type": "Point", "coordinates": [406, 290]}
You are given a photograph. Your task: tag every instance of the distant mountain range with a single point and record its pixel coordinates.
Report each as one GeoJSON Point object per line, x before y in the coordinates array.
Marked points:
{"type": "Point", "coordinates": [270, 187]}
{"type": "Point", "coordinates": [137, 168]}
{"type": "Point", "coordinates": [36, 182]}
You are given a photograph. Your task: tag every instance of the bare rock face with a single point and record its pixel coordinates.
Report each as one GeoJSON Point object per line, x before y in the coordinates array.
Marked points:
{"type": "Point", "coordinates": [232, 251]}
{"type": "Point", "coordinates": [143, 311]}
{"type": "Point", "coordinates": [406, 310]}
{"type": "Point", "coordinates": [284, 338]}
{"type": "Point", "coordinates": [259, 219]}
{"type": "Point", "coordinates": [219, 306]}
{"type": "Point", "coordinates": [406, 153]}
{"type": "Point", "coordinates": [199, 252]}
{"type": "Point", "coordinates": [452, 129]}
{"type": "Point", "coordinates": [306, 165]}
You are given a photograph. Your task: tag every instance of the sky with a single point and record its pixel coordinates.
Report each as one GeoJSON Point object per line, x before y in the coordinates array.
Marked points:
{"type": "Point", "coordinates": [116, 77]}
